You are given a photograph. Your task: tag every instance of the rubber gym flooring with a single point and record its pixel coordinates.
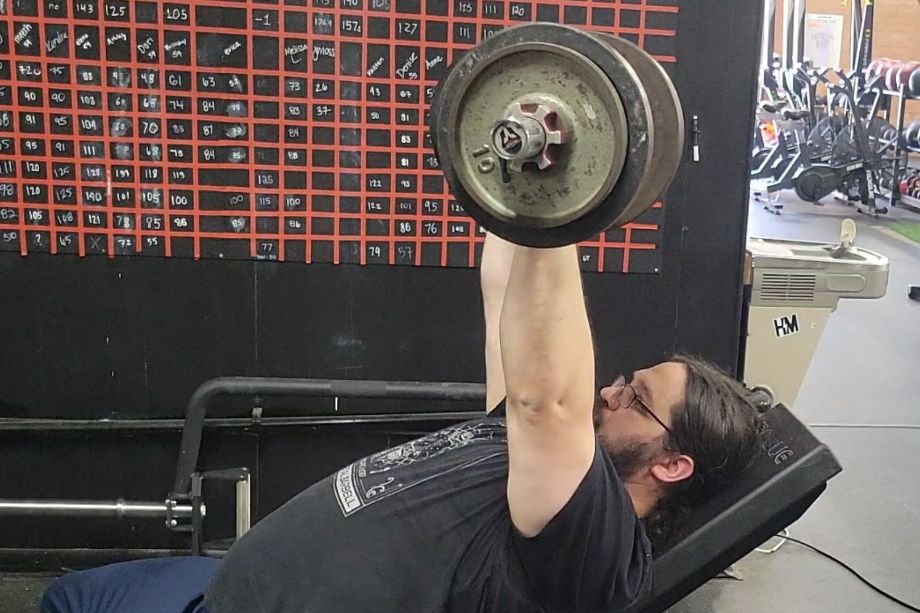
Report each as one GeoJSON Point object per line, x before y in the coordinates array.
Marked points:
{"type": "Point", "coordinates": [865, 372]}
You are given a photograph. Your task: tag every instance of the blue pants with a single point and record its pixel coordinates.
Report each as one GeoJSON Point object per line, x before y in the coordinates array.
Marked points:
{"type": "Point", "coordinates": [161, 585]}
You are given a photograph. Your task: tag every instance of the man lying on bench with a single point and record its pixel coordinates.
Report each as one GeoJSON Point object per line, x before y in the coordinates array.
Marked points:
{"type": "Point", "coordinates": [556, 501]}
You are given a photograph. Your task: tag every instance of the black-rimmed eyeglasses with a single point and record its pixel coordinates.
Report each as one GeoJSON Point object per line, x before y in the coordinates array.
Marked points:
{"type": "Point", "coordinates": [628, 397]}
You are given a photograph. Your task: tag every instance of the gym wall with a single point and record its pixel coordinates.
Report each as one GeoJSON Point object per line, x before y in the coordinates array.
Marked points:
{"type": "Point", "coordinates": [127, 338]}
{"type": "Point", "coordinates": [895, 33]}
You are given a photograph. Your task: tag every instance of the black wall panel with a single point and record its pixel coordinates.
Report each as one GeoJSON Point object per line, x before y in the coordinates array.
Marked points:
{"type": "Point", "coordinates": [131, 338]}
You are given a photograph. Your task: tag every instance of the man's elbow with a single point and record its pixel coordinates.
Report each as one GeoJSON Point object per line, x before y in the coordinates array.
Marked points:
{"type": "Point", "coordinates": [535, 405]}
{"type": "Point", "coordinates": [549, 400]}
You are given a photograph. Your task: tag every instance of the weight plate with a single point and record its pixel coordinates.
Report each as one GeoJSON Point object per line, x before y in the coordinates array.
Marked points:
{"type": "Point", "coordinates": [913, 83]}
{"type": "Point", "coordinates": [523, 66]}
{"type": "Point", "coordinates": [667, 133]}
{"type": "Point", "coordinates": [912, 134]}
{"type": "Point", "coordinates": [902, 78]}
{"type": "Point", "coordinates": [587, 166]}
{"type": "Point", "coordinates": [586, 182]}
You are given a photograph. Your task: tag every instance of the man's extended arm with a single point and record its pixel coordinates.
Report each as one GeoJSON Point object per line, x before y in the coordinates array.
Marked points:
{"type": "Point", "coordinates": [548, 361]}
{"type": "Point", "coordinates": [495, 268]}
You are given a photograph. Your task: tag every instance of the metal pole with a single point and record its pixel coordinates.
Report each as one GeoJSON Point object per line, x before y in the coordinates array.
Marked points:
{"type": "Point", "coordinates": [79, 508]}
{"type": "Point", "coordinates": [788, 33]}
{"type": "Point", "coordinates": [798, 29]}
{"type": "Point", "coordinates": [856, 19]}
{"type": "Point", "coordinates": [864, 50]}
{"type": "Point", "coordinates": [329, 388]}
{"type": "Point", "coordinates": [243, 505]}
{"type": "Point", "coordinates": [767, 36]}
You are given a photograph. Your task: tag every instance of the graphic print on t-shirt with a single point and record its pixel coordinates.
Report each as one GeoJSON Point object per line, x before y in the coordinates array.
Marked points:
{"type": "Point", "coordinates": [395, 470]}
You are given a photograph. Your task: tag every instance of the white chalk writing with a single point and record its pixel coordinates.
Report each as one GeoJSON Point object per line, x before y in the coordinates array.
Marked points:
{"type": "Point", "coordinates": [292, 51]}
{"type": "Point", "coordinates": [147, 48]}
{"type": "Point", "coordinates": [114, 38]}
{"type": "Point", "coordinates": [21, 35]}
{"type": "Point", "coordinates": [54, 43]}
{"type": "Point", "coordinates": [374, 67]}
{"type": "Point", "coordinates": [319, 52]}
{"type": "Point", "coordinates": [175, 49]}
{"type": "Point", "coordinates": [83, 42]}
{"type": "Point", "coordinates": [178, 43]}
{"type": "Point", "coordinates": [407, 65]}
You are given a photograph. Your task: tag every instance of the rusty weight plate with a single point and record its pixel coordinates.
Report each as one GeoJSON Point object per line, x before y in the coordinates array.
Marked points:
{"type": "Point", "coordinates": [602, 191]}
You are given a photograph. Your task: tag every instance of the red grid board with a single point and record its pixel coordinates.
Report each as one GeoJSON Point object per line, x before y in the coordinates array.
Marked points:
{"type": "Point", "coordinates": [327, 200]}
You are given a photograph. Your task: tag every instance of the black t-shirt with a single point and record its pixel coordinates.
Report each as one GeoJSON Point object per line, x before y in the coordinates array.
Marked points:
{"type": "Point", "coordinates": [425, 528]}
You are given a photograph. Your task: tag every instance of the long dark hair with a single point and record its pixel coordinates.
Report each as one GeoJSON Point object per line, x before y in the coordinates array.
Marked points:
{"type": "Point", "coordinates": [719, 427]}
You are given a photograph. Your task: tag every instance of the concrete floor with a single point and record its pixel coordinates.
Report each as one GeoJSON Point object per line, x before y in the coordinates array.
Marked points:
{"type": "Point", "coordinates": [865, 371]}
{"type": "Point", "coordinates": [21, 593]}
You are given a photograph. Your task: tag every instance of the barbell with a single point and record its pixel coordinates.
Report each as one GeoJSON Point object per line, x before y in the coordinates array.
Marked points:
{"type": "Point", "coordinates": [548, 134]}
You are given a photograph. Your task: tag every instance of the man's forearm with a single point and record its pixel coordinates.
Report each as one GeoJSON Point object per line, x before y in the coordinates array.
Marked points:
{"type": "Point", "coordinates": [547, 350]}
{"type": "Point", "coordinates": [497, 255]}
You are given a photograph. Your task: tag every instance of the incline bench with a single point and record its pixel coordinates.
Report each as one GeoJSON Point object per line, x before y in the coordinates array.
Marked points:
{"type": "Point", "coordinates": [789, 474]}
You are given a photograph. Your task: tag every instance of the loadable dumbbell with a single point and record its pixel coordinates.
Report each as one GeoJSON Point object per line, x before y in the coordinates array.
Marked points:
{"type": "Point", "coordinates": [891, 74]}
{"type": "Point", "coordinates": [913, 83]}
{"type": "Point", "coordinates": [912, 134]}
{"type": "Point", "coordinates": [548, 134]}
{"type": "Point", "coordinates": [902, 78]}
{"type": "Point", "coordinates": [911, 186]}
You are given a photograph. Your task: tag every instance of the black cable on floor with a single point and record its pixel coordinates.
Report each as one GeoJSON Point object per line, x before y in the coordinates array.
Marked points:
{"type": "Point", "coordinates": [894, 599]}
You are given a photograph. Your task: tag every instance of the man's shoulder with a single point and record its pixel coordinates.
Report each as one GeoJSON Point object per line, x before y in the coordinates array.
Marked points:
{"type": "Point", "coordinates": [608, 556]}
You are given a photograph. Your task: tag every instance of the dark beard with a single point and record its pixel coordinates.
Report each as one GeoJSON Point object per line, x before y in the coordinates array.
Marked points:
{"type": "Point", "coordinates": [599, 404]}
{"type": "Point", "coordinates": [627, 458]}
{"type": "Point", "coordinates": [630, 457]}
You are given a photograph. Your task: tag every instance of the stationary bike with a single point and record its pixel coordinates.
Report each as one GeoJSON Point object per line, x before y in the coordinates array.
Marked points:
{"type": "Point", "coordinates": [857, 161]}
{"type": "Point", "coordinates": [798, 125]}
{"type": "Point", "coordinates": [769, 159]}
